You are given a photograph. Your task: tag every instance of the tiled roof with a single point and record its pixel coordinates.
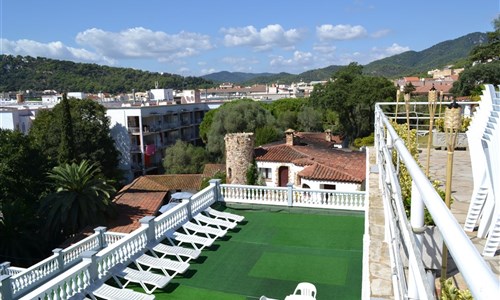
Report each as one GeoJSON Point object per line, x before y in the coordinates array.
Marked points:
{"type": "Point", "coordinates": [321, 161]}
{"type": "Point", "coordinates": [211, 169]}
{"type": "Point", "coordinates": [280, 153]}
{"type": "Point", "coordinates": [178, 181]}
{"type": "Point", "coordinates": [143, 197]}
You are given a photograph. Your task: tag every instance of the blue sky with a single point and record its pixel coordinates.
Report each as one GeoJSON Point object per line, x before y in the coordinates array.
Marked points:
{"type": "Point", "coordinates": [190, 37]}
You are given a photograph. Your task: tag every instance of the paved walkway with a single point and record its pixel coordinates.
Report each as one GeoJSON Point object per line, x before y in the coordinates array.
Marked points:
{"type": "Point", "coordinates": [462, 185]}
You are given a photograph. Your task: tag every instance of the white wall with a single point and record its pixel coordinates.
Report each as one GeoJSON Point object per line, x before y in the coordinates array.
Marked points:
{"type": "Point", "coordinates": [8, 119]}
{"type": "Point", "coordinates": [293, 170]}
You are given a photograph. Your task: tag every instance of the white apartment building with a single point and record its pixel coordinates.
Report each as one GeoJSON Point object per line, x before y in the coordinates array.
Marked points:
{"type": "Point", "coordinates": [142, 132]}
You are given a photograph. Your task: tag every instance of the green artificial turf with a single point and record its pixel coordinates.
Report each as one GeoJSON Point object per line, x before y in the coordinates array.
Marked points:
{"type": "Point", "coordinates": [271, 252]}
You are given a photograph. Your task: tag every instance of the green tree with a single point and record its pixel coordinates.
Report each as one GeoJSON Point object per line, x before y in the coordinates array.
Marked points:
{"type": "Point", "coordinates": [351, 95]}
{"type": "Point", "coordinates": [67, 145]}
{"type": "Point", "coordinates": [472, 78]}
{"type": "Point", "coordinates": [91, 133]}
{"type": "Point", "coordinates": [309, 119]}
{"type": "Point", "coordinates": [237, 116]}
{"type": "Point", "coordinates": [490, 49]}
{"type": "Point", "coordinates": [81, 197]}
{"type": "Point", "coordinates": [22, 183]}
{"type": "Point", "coordinates": [184, 158]}
{"type": "Point", "coordinates": [21, 169]}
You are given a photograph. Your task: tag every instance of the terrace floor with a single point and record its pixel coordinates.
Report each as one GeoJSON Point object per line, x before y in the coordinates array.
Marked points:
{"type": "Point", "coordinates": [272, 251]}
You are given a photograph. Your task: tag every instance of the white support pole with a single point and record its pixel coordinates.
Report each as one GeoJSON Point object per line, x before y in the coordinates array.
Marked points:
{"type": "Point", "coordinates": [417, 224]}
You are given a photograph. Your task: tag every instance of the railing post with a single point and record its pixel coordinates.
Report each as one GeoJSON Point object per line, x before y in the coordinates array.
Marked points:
{"type": "Point", "coordinates": [417, 224]}
{"type": "Point", "coordinates": [6, 287]}
{"type": "Point", "coordinates": [102, 240]}
{"type": "Point", "coordinates": [148, 221]}
{"type": "Point", "coordinates": [90, 256]}
{"type": "Point", "coordinates": [59, 258]}
{"type": "Point", "coordinates": [216, 185]}
{"type": "Point", "coordinates": [290, 194]}
{"type": "Point", "coordinates": [3, 267]}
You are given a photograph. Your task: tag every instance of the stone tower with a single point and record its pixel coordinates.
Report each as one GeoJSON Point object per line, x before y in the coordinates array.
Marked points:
{"type": "Point", "coordinates": [239, 156]}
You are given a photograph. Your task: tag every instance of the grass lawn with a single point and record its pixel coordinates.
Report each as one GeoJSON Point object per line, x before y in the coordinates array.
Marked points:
{"type": "Point", "coordinates": [272, 251]}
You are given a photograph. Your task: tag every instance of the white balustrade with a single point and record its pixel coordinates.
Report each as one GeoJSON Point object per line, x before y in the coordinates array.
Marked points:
{"type": "Point", "coordinates": [171, 220]}
{"type": "Point", "coordinates": [202, 200]}
{"type": "Point", "coordinates": [113, 237]}
{"type": "Point", "coordinates": [300, 197]}
{"type": "Point", "coordinates": [65, 285]}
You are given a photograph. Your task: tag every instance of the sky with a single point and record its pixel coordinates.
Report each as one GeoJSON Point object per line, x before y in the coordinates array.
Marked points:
{"type": "Point", "coordinates": [194, 38]}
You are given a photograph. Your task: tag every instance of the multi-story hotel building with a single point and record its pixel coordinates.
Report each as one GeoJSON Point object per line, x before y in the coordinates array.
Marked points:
{"type": "Point", "coordinates": [142, 133]}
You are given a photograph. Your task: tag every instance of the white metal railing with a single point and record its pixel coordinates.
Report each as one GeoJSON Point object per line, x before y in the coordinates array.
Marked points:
{"type": "Point", "coordinates": [400, 232]}
{"type": "Point", "coordinates": [296, 197]}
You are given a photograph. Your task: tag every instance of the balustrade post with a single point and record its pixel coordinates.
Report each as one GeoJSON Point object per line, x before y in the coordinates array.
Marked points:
{"type": "Point", "coordinates": [417, 224]}
{"type": "Point", "coordinates": [102, 240]}
{"type": "Point", "coordinates": [148, 222]}
{"type": "Point", "coordinates": [59, 258]}
{"type": "Point", "coordinates": [3, 267]}
{"type": "Point", "coordinates": [90, 256]}
{"type": "Point", "coordinates": [6, 287]}
{"type": "Point", "coordinates": [216, 185]}
{"type": "Point", "coordinates": [290, 194]}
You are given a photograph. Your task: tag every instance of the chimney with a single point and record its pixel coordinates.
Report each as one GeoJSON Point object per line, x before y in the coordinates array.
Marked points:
{"type": "Point", "coordinates": [19, 98]}
{"type": "Point", "coordinates": [328, 135]}
{"type": "Point", "coordinates": [290, 139]}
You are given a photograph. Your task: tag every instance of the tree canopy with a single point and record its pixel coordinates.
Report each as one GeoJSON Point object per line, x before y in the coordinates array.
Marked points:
{"type": "Point", "coordinates": [81, 197]}
{"type": "Point", "coordinates": [484, 66]}
{"type": "Point", "coordinates": [22, 183]}
{"type": "Point", "coordinates": [184, 158]}
{"type": "Point", "coordinates": [91, 133]}
{"type": "Point", "coordinates": [352, 96]}
{"type": "Point", "coordinates": [237, 116]}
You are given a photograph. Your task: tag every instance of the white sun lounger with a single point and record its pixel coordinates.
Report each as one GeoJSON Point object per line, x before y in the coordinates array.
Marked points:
{"type": "Point", "coordinates": [219, 223]}
{"type": "Point", "coordinates": [163, 264]}
{"type": "Point", "coordinates": [209, 232]}
{"type": "Point", "coordinates": [224, 215]}
{"type": "Point", "coordinates": [149, 281]}
{"type": "Point", "coordinates": [105, 291]}
{"type": "Point", "coordinates": [196, 241]}
{"type": "Point", "coordinates": [176, 251]}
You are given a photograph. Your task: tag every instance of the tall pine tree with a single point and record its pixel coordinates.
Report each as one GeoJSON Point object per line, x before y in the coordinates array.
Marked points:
{"type": "Point", "coordinates": [67, 145]}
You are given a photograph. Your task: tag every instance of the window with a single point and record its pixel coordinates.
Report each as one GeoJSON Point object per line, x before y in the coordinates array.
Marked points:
{"type": "Point", "coordinates": [329, 187]}
{"type": "Point", "coordinates": [265, 173]}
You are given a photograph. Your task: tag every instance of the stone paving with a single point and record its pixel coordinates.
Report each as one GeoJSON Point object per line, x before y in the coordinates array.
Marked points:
{"type": "Point", "coordinates": [462, 185]}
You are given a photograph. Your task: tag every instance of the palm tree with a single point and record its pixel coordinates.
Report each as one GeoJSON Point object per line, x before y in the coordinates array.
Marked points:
{"type": "Point", "coordinates": [82, 197]}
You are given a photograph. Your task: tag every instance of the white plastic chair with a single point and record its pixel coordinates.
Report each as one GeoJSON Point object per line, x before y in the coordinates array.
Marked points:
{"type": "Point", "coordinates": [305, 289]}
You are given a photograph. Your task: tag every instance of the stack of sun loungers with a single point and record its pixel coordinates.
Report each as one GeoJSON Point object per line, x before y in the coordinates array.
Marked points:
{"type": "Point", "coordinates": [163, 261]}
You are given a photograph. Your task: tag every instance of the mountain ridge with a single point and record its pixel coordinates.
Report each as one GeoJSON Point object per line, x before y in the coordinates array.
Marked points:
{"type": "Point", "coordinates": [403, 64]}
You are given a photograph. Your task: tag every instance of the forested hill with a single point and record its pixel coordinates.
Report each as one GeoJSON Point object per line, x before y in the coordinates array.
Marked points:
{"type": "Point", "coordinates": [29, 73]}
{"type": "Point", "coordinates": [437, 56]}
{"type": "Point", "coordinates": [404, 64]}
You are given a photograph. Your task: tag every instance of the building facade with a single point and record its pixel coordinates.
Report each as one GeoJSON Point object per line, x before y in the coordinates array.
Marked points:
{"type": "Point", "coordinates": [142, 133]}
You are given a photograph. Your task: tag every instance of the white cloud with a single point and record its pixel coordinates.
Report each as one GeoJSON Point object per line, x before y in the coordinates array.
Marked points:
{"type": "Point", "coordinates": [140, 42]}
{"type": "Point", "coordinates": [394, 49]}
{"type": "Point", "coordinates": [380, 33]}
{"type": "Point", "coordinates": [239, 60]}
{"type": "Point", "coordinates": [340, 32]}
{"type": "Point", "coordinates": [207, 71]}
{"type": "Point", "coordinates": [55, 50]}
{"type": "Point", "coordinates": [299, 59]}
{"type": "Point", "coordinates": [263, 39]}
{"type": "Point", "coordinates": [323, 48]}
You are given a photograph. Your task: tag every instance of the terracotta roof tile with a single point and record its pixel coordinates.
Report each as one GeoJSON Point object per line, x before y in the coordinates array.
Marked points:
{"type": "Point", "coordinates": [280, 153]}
{"type": "Point", "coordinates": [211, 169]}
{"type": "Point", "coordinates": [178, 181]}
{"type": "Point", "coordinates": [321, 161]}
